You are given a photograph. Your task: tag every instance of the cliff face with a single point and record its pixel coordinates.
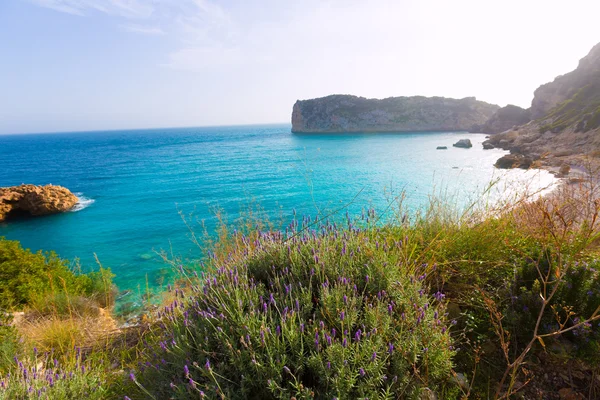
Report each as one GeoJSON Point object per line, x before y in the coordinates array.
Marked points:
{"type": "Point", "coordinates": [35, 200]}
{"type": "Point", "coordinates": [564, 87]}
{"type": "Point", "coordinates": [506, 118]}
{"type": "Point", "coordinates": [345, 113]}
{"type": "Point", "coordinates": [566, 125]}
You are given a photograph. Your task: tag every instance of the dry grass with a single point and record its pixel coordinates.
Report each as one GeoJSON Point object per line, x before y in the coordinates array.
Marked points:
{"type": "Point", "coordinates": [62, 334]}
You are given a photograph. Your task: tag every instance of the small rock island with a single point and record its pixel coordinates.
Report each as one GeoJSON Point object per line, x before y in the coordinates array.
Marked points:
{"type": "Point", "coordinates": [346, 113]}
{"type": "Point", "coordinates": [32, 200]}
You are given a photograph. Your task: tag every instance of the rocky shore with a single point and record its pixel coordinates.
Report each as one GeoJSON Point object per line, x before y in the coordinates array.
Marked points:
{"type": "Point", "coordinates": [563, 129]}
{"type": "Point", "coordinates": [32, 200]}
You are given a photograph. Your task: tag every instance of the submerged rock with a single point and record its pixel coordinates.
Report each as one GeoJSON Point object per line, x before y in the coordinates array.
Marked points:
{"type": "Point", "coordinates": [442, 148]}
{"type": "Point", "coordinates": [487, 145]}
{"type": "Point", "coordinates": [463, 143]}
{"type": "Point", "coordinates": [32, 200]}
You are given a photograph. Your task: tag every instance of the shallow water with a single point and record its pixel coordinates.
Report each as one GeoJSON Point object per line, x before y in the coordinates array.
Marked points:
{"type": "Point", "coordinates": [133, 184]}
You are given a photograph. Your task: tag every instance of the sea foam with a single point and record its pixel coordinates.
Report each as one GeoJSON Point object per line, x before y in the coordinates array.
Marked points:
{"type": "Point", "coordinates": [83, 202]}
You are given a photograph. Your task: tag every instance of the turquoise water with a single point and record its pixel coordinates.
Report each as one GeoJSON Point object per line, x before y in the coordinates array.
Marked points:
{"type": "Point", "coordinates": [133, 184]}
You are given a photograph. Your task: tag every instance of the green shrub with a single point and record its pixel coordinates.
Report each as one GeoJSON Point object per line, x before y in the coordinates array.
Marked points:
{"type": "Point", "coordinates": [335, 314]}
{"type": "Point", "coordinates": [577, 297]}
{"type": "Point", "coordinates": [10, 345]}
{"type": "Point", "coordinates": [33, 278]}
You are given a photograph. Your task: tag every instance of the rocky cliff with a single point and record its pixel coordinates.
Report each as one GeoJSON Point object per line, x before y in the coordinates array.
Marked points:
{"type": "Point", "coordinates": [566, 119]}
{"type": "Point", "coordinates": [566, 86]}
{"type": "Point", "coordinates": [34, 200]}
{"type": "Point", "coordinates": [504, 119]}
{"type": "Point", "coordinates": [345, 113]}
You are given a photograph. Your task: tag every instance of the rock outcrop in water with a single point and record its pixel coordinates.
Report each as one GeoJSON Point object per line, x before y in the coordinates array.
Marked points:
{"type": "Point", "coordinates": [565, 129]}
{"type": "Point", "coordinates": [463, 143]}
{"type": "Point", "coordinates": [345, 113]}
{"type": "Point", "coordinates": [34, 200]}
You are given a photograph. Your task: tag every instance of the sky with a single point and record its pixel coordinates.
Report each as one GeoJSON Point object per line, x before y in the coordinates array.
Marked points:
{"type": "Point", "coordinates": [74, 65]}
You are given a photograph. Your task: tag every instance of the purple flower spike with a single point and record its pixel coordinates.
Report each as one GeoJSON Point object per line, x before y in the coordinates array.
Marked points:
{"type": "Point", "coordinates": [342, 315]}
{"type": "Point", "coordinates": [186, 370]}
{"type": "Point", "coordinates": [207, 365]}
{"type": "Point", "coordinates": [390, 348]}
{"type": "Point", "coordinates": [362, 372]}
{"type": "Point", "coordinates": [132, 376]}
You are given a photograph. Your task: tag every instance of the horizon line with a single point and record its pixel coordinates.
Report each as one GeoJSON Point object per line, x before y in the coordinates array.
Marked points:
{"type": "Point", "coordinates": [144, 129]}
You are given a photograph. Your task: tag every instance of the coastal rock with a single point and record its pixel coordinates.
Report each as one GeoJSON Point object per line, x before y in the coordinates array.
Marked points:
{"type": "Point", "coordinates": [487, 145]}
{"type": "Point", "coordinates": [506, 118]}
{"type": "Point", "coordinates": [463, 143]}
{"type": "Point", "coordinates": [566, 86]}
{"type": "Point", "coordinates": [564, 170]}
{"type": "Point", "coordinates": [346, 113]}
{"type": "Point", "coordinates": [566, 119]}
{"type": "Point", "coordinates": [34, 200]}
{"type": "Point", "coordinates": [442, 148]}
{"type": "Point", "coordinates": [513, 161]}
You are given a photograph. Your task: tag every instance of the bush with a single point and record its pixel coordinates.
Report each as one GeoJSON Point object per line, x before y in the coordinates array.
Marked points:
{"type": "Point", "coordinates": [39, 376]}
{"type": "Point", "coordinates": [576, 298]}
{"type": "Point", "coordinates": [35, 278]}
{"type": "Point", "coordinates": [9, 342]}
{"type": "Point", "coordinates": [329, 315]}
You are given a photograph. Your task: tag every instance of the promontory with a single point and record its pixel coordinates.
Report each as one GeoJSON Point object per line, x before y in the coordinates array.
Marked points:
{"type": "Point", "coordinates": [346, 113]}
{"type": "Point", "coordinates": [32, 200]}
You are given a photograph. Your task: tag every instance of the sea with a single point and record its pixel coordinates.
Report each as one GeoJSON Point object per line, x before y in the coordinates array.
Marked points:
{"type": "Point", "coordinates": [149, 192]}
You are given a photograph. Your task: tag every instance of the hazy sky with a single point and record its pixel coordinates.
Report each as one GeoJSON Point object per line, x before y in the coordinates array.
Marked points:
{"type": "Point", "coordinates": [108, 64]}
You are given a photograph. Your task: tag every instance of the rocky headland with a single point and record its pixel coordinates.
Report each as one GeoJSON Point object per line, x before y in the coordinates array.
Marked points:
{"type": "Point", "coordinates": [32, 200]}
{"type": "Point", "coordinates": [346, 113]}
{"type": "Point", "coordinates": [504, 119]}
{"type": "Point", "coordinates": [564, 125]}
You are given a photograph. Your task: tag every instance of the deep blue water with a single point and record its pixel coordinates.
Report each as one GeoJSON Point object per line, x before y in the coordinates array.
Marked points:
{"type": "Point", "coordinates": [140, 180]}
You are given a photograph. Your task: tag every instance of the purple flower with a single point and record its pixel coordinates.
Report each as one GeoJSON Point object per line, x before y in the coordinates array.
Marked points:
{"type": "Point", "coordinates": [186, 370]}
{"type": "Point", "coordinates": [132, 376]}
{"type": "Point", "coordinates": [390, 348]}
{"type": "Point", "coordinates": [342, 315]}
{"type": "Point", "coordinates": [207, 364]}
{"type": "Point", "coordinates": [374, 356]}
{"type": "Point", "coordinates": [362, 372]}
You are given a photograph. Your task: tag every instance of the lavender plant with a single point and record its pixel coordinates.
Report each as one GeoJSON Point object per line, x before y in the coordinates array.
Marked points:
{"type": "Point", "coordinates": [310, 313]}
{"type": "Point", "coordinates": [40, 376]}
